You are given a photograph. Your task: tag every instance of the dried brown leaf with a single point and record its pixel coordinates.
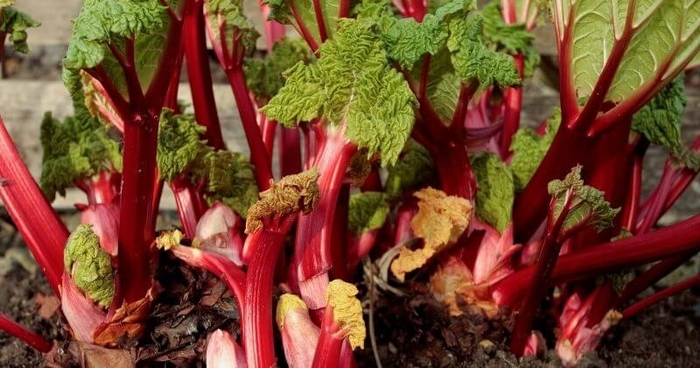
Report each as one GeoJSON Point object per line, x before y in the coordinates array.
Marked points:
{"type": "Point", "coordinates": [440, 221]}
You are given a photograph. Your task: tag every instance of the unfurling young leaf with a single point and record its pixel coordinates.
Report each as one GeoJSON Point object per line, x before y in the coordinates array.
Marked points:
{"type": "Point", "coordinates": [292, 194]}
{"type": "Point", "coordinates": [659, 121]}
{"type": "Point", "coordinates": [227, 176]}
{"type": "Point", "coordinates": [347, 311]}
{"type": "Point", "coordinates": [15, 23]}
{"type": "Point", "coordinates": [584, 205]}
{"type": "Point", "coordinates": [440, 221]}
{"type": "Point", "coordinates": [351, 85]}
{"type": "Point", "coordinates": [89, 265]}
{"type": "Point", "coordinates": [74, 150]}
{"type": "Point", "coordinates": [180, 146]}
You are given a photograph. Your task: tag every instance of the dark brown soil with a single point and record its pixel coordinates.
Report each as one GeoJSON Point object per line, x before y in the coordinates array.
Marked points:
{"type": "Point", "coordinates": [412, 331]}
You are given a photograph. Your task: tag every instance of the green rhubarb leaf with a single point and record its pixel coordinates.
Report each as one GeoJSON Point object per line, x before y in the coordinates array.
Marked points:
{"type": "Point", "coordinates": [230, 179]}
{"type": "Point", "coordinates": [89, 265]}
{"type": "Point", "coordinates": [352, 85]}
{"type": "Point", "coordinates": [180, 146]}
{"type": "Point", "coordinates": [407, 40]}
{"type": "Point", "coordinates": [660, 120]}
{"type": "Point", "coordinates": [414, 168]}
{"type": "Point", "coordinates": [368, 211]}
{"type": "Point", "coordinates": [662, 33]}
{"type": "Point", "coordinates": [113, 22]}
{"type": "Point", "coordinates": [511, 38]}
{"type": "Point", "coordinates": [586, 206]}
{"type": "Point", "coordinates": [281, 11]}
{"type": "Point", "coordinates": [264, 76]}
{"type": "Point", "coordinates": [495, 190]}
{"type": "Point", "coordinates": [75, 150]}
{"type": "Point", "coordinates": [529, 149]}
{"type": "Point", "coordinates": [443, 86]}
{"type": "Point", "coordinates": [237, 30]}
{"type": "Point", "coordinates": [472, 58]}
{"type": "Point", "coordinates": [15, 24]}
{"type": "Point", "coordinates": [226, 176]}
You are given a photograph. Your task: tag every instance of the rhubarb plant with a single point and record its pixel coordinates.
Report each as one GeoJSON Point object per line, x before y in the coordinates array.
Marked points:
{"type": "Point", "coordinates": [398, 131]}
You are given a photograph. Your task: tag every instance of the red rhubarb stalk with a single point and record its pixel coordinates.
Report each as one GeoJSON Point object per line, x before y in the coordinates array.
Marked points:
{"type": "Point", "coordinates": [39, 224]}
{"type": "Point", "coordinates": [199, 74]}
{"type": "Point", "coordinates": [314, 231]}
{"type": "Point", "coordinates": [137, 202]}
{"type": "Point", "coordinates": [544, 265]}
{"type": "Point", "coordinates": [670, 241]}
{"type": "Point", "coordinates": [256, 313]}
{"type": "Point", "coordinates": [661, 295]}
{"type": "Point", "coordinates": [32, 339]}
{"type": "Point", "coordinates": [258, 153]}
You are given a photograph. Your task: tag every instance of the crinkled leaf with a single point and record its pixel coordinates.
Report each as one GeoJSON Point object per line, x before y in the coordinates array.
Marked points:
{"type": "Point", "coordinates": [368, 211]}
{"type": "Point", "coordinates": [226, 176]}
{"type": "Point", "coordinates": [529, 149]}
{"type": "Point", "coordinates": [414, 167]}
{"type": "Point", "coordinates": [347, 311]}
{"type": "Point", "coordinates": [660, 119]}
{"type": "Point", "coordinates": [280, 10]}
{"type": "Point", "coordinates": [236, 25]}
{"type": "Point", "coordinates": [89, 265]}
{"type": "Point", "coordinates": [230, 179]}
{"type": "Point", "coordinates": [663, 32]}
{"type": "Point", "coordinates": [440, 220]}
{"type": "Point", "coordinates": [292, 194]}
{"type": "Point", "coordinates": [15, 23]}
{"type": "Point", "coordinates": [495, 190]}
{"type": "Point", "coordinates": [587, 206]}
{"type": "Point", "coordinates": [352, 84]}
{"type": "Point", "coordinates": [407, 40]}
{"type": "Point", "coordinates": [105, 22]}
{"type": "Point", "coordinates": [443, 86]}
{"type": "Point", "coordinates": [109, 21]}
{"type": "Point", "coordinates": [473, 60]}
{"type": "Point", "coordinates": [180, 146]}
{"type": "Point", "coordinates": [512, 38]}
{"type": "Point", "coordinates": [74, 150]}
{"type": "Point", "coordinates": [264, 76]}
{"type": "Point", "coordinates": [660, 122]}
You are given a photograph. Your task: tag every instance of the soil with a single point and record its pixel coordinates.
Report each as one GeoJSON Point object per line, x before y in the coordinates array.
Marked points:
{"type": "Point", "coordinates": [410, 331]}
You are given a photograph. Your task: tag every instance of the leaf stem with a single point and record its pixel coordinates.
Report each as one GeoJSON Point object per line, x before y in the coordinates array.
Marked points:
{"type": "Point", "coordinates": [30, 338]}
{"type": "Point", "coordinates": [199, 74]}
{"type": "Point", "coordinates": [40, 226]}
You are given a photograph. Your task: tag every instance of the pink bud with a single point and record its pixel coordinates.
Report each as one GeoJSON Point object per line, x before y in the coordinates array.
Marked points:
{"type": "Point", "coordinates": [82, 315]}
{"type": "Point", "coordinates": [104, 218]}
{"type": "Point", "coordinates": [219, 230]}
{"type": "Point", "coordinates": [224, 352]}
{"type": "Point", "coordinates": [299, 333]}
